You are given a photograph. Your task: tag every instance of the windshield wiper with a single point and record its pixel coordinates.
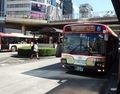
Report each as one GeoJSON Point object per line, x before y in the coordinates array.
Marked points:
{"type": "Point", "coordinates": [86, 49]}
{"type": "Point", "coordinates": [74, 49]}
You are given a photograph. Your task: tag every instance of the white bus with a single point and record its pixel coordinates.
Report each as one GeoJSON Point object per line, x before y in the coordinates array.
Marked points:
{"type": "Point", "coordinates": [11, 42]}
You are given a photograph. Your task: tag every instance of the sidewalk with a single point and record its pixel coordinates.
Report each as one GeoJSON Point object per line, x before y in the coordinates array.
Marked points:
{"type": "Point", "coordinates": [111, 84]}
{"type": "Point", "coordinates": [15, 60]}
{"type": "Point", "coordinates": [28, 78]}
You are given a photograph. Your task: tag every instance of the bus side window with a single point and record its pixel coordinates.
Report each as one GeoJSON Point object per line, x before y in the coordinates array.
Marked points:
{"type": "Point", "coordinates": [111, 43]}
{"type": "Point", "coordinates": [16, 40]}
{"type": "Point", "coordinates": [27, 40]}
{"type": "Point", "coordinates": [21, 40]}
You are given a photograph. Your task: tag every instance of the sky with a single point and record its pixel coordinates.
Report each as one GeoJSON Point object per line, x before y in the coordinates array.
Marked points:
{"type": "Point", "coordinates": [98, 5]}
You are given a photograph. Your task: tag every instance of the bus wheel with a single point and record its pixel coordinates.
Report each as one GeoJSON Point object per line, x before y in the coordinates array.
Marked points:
{"type": "Point", "coordinates": [13, 48]}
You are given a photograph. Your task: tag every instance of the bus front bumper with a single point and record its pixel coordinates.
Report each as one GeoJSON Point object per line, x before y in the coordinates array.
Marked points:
{"type": "Point", "coordinates": [81, 67]}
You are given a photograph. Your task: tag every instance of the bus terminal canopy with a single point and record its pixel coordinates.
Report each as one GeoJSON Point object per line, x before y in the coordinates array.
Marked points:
{"type": "Point", "coordinates": [47, 31]}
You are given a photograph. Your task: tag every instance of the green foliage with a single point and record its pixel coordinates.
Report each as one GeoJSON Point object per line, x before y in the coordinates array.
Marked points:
{"type": "Point", "coordinates": [43, 51]}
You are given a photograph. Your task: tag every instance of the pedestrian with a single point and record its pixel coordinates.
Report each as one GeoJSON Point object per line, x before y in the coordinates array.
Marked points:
{"type": "Point", "coordinates": [35, 50]}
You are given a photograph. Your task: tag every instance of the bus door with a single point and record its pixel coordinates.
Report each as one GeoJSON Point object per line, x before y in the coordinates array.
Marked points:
{"type": "Point", "coordinates": [4, 43]}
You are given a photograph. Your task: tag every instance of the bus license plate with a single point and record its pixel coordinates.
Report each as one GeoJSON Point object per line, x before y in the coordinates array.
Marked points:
{"type": "Point", "coordinates": [78, 68]}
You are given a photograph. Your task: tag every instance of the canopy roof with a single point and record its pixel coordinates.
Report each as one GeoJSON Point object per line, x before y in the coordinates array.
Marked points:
{"type": "Point", "coordinates": [47, 30]}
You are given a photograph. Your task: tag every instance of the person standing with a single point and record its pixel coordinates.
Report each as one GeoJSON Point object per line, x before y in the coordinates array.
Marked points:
{"type": "Point", "coordinates": [35, 50]}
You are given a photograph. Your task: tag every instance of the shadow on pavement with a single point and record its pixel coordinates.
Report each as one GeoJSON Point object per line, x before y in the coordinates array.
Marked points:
{"type": "Point", "coordinates": [53, 72]}
{"type": "Point", "coordinates": [70, 82]}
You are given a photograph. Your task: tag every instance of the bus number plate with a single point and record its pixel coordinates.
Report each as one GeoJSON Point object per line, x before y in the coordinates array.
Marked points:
{"type": "Point", "coordinates": [78, 68]}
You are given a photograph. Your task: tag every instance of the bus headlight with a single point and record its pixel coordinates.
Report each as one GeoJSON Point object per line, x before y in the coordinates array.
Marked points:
{"type": "Point", "coordinates": [63, 61]}
{"type": "Point", "coordinates": [98, 62]}
{"type": "Point", "coordinates": [90, 62]}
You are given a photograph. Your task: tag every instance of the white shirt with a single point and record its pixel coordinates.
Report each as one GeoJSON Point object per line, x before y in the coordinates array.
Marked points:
{"type": "Point", "coordinates": [35, 48]}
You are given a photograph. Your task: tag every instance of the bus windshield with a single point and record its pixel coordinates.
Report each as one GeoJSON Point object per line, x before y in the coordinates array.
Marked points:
{"type": "Point", "coordinates": [78, 43]}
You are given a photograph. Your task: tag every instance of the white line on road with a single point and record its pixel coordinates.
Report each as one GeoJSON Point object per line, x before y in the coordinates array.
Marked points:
{"type": "Point", "coordinates": [4, 60]}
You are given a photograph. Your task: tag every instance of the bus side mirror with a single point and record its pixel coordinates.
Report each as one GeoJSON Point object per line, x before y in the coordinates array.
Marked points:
{"type": "Point", "coordinates": [105, 35]}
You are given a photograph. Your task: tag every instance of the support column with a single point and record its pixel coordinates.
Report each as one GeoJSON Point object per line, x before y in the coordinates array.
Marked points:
{"type": "Point", "coordinates": [58, 37]}
{"type": "Point", "coordinates": [23, 29]}
{"type": "Point", "coordinates": [50, 40]}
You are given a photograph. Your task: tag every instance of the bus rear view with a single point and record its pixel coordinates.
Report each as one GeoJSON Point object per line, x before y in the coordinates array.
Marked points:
{"type": "Point", "coordinates": [88, 47]}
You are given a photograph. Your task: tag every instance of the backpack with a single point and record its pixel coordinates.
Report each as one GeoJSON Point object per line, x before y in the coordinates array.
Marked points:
{"type": "Point", "coordinates": [32, 47]}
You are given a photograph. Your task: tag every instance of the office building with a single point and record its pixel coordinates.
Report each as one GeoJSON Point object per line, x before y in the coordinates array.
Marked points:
{"type": "Point", "coordinates": [2, 13]}
{"type": "Point", "coordinates": [54, 10]}
{"type": "Point", "coordinates": [32, 9]}
{"type": "Point", "coordinates": [2, 7]}
{"type": "Point", "coordinates": [67, 7]}
{"type": "Point", "coordinates": [25, 8]}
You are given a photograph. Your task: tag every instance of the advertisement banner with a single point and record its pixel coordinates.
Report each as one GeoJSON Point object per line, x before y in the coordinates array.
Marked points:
{"type": "Point", "coordinates": [36, 7]}
{"type": "Point", "coordinates": [38, 10]}
{"type": "Point", "coordinates": [34, 15]}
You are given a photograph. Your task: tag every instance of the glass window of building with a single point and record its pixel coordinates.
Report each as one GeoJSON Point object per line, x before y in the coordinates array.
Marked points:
{"type": "Point", "coordinates": [17, 12]}
{"type": "Point", "coordinates": [17, 5]}
{"type": "Point", "coordinates": [33, 0]}
{"type": "Point", "coordinates": [42, 1]}
{"type": "Point", "coordinates": [15, 0]}
{"type": "Point", "coordinates": [48, 2]}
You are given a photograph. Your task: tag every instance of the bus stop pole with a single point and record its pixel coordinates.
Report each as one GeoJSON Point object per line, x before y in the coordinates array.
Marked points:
{"type": "Point", "coordinates": [118, 86]}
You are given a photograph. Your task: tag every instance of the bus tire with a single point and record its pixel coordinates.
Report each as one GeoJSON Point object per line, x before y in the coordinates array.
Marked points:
{"type": "Point", "coordinates": [13, 48]}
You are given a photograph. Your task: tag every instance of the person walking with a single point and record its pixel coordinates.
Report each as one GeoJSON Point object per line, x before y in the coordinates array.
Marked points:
{"type": "Point", "coordinates": [35, 50]}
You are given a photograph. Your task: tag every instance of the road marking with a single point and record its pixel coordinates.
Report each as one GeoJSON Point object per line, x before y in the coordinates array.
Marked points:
{"type": "Point", "coordinates": [113, 89]}
{"type": "Point", "coordinates": [21, 60]}
{"type": "Point", "coordinates": [4, 60]}
{"type": "Point", "coordinates": [4, 64]}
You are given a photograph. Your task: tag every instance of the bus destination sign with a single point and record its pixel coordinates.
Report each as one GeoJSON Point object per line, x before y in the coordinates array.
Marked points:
{"type": "Point", "coordinates": [86, 28]}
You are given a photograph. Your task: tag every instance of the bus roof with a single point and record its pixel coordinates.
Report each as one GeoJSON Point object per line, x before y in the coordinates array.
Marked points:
{"type": "Point", "coordinates": [6, 34]}
{"type": "Point", "coordinates": [21, 35]}
{"type": "Point", "coordinates": [16, 35]}
{"type": "Point", "coordinates": [107, 27]}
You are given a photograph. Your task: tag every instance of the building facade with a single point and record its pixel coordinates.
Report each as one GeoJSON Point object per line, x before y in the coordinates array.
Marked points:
{"type": "Point", "coordinates": [54, 10]}
{"type": "Point", "coordinates": [25, 8]}
{"type": "Point", "coordinates": [2, 7]}
{"type": "Point", "coordinates": [2, 13]}
{"type": "Point", "coordinates": [67, 7]}
{"type": "Point", "coordinates": [32, 9]}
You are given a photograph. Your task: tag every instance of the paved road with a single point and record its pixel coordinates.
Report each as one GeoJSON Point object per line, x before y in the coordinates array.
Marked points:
{"type": "Point", "coordinates": [45, 76]}
{"type": "Point", "coordinates": [11, 58]}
